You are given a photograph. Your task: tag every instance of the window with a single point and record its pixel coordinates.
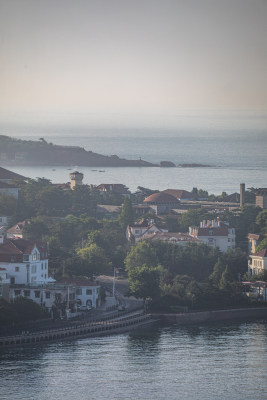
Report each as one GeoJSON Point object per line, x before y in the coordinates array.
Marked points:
{"type": "Point", "coordinates": [78, 291]}
{"type": "Point", "coordinates": [34, 256]}
{"type": "Point", "coordinates": [42, 266]}
{"type": "Point", "coordinates": [33, 269]}
{"type": "Point", "coordinates": [37, 294]}
{"type": "Point", "coordinates": [27, 293]}
{"type": "Point", "coordinates": [229, 240]}
{"type": "Point", "coordinates": [17, 292]}
{"type": "Point", "coordinates": [25, 257]}
{"type": "Point", "coordinates": [88, 291]}
{"type": "Point", "coordinates": [211, 232]}
{"type": "Point", "coordinates": [47, 295]}
{"type": "Point", "coordinates": [16, 269]}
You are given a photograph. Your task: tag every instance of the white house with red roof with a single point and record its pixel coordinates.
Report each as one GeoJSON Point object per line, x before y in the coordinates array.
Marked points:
{"type": "Point", "coordinates": [214, 233]}
{"type": "Point", "coordinates": [141, 230]}
{"type": "Point", "coordinates": [257, 262]}
{"type": "Point", "coordinates": [16, 231]}
{"type": "Point", "coordinates": [26, 261]}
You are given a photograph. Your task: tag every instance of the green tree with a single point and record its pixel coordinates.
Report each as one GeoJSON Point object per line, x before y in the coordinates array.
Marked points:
{"type": "Point", "coordinates": [126, 216]}
{"type": "Point", "coordinates": [192, 218]}
{"type": "Point", "coordinates": [8, 204]}
{"type": "Point", "coordinates": [226, 279]}
{"type": "Point", "coordinates": [261, 222]}
{"type": "Point", "coordinates": [93, 261]}
{"type": "Point", "coordinates": [262, 245]}
{"type": "Point", "coordinates": [216, 275]}
{"type": "Point", "coordinates": [142, 253]}
{"type": "Point", "coordinates": [144, 281]}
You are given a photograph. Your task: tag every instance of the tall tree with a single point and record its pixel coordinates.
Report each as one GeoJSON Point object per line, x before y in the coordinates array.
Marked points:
{"type": "Point", "coordinates": [126, 216]}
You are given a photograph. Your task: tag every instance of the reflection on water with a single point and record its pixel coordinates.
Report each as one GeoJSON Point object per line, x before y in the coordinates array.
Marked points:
{"type": "Point", "coordinates": [224, 361]}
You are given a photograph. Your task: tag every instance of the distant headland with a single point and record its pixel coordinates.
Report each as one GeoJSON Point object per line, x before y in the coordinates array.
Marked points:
{"type": "Point", "coordinates": [40, 152]}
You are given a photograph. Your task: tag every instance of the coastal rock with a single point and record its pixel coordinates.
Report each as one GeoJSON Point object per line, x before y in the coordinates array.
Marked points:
{"type": "Point", "coordinates": [29, 152]}
{"type": "Point", "coordinates": [167, 164]}
{"type": "Point", "coordinates": [193, 165]}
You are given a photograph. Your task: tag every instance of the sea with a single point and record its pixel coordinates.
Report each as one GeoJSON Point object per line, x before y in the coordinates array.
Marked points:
{"type": "Point", "coordinates": [215, 361]}
{"type": "Point", "coordinates": [233, 156]}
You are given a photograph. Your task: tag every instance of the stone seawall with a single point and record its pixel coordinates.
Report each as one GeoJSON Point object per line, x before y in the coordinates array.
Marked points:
{"type": "Point", "coordinates": [216, 315]}
{"type": "Point", "coordinates": [125, 324]}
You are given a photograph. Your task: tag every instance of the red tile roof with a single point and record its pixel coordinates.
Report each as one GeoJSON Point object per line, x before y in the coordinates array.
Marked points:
{"type": "Point", "coordinates": [18, 228]}
{"type": "Point", "coordinates": [12, 250]}
{"type": "Point", "coordinates": [161, 198]}
{"type": "Point", "coordinates": [6, 174]}
{"type": "Point", "coordinates": [180, 237]}
{"type": "Point", "coordinates": [180, 194]}
{"type": "Point", "coordinates": [212, 231]}
{"type": "Point", "coordinates": [261, 253]}
{"type": "Point", "coordinates": [253, 236]}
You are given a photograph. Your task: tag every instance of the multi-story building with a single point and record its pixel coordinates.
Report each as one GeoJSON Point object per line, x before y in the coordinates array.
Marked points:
{"type": "Point", "coordinates": [141, 230]}
{"type": "Point", "coordinates": [214, 233]}
{"type": "Point", "coordinates": [257, 262]}
{"type": "Point", "coordinates": [26, 261]}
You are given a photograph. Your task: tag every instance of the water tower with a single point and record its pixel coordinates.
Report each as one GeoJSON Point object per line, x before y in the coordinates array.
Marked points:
{"type": "Point", "coordinates": [76, 179]}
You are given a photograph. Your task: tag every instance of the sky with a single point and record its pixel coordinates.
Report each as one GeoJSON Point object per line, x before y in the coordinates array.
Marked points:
{"type": "Point", "coordinates": [131, 62]}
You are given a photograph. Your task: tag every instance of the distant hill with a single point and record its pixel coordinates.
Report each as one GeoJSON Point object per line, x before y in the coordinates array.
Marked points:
{"type": "Point", "coordinates": [30, 152]}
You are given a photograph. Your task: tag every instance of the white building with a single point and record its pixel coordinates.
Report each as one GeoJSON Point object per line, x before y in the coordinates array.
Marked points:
{"type": "Point", "coordinates": [5, 219]}
{"type": "Point", "coordinates": [214, 233]}
{"type": "Point", "coordinates": [26, 261]}
{"type": "Point", "coordinates": [16, 231]}
{"type": "Point", "coordinates": [142, 230]}
{"type": "Point", "coordinates": [51, 295]}
{"type": "Point", "coordinates": [87, 293]}
{"type": "Point", "coordinates": [257, 262]}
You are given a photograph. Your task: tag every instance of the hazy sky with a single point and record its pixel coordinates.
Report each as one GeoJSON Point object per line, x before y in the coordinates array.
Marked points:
{"type": "Point", "coordinates": [117, 61]}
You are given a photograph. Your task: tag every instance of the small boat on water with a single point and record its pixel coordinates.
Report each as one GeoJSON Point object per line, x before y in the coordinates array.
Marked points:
{"type": "Point", "coordinates": [101, 170]}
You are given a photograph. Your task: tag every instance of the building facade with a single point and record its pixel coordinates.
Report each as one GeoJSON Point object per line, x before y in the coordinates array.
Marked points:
{"type": "Point", "coordinates": [26, 261]}
{"type": "Point", "coordinates": [214, 233]}
{"type": "Point", "coordinates": [257, 263]}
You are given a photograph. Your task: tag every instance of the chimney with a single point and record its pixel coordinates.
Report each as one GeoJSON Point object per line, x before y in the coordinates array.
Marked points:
{"type": "Point", "coordinates": [242, 194]}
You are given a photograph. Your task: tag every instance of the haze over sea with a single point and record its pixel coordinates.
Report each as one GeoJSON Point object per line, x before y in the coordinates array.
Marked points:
{"type": "Point", "coordinates": [234, 155]}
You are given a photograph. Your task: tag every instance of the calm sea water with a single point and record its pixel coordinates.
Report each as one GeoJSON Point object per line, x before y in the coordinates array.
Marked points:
{"type": "Point", "coordinates": [217, 361]}
{"type": "Point", "coordinates": [235, 157]}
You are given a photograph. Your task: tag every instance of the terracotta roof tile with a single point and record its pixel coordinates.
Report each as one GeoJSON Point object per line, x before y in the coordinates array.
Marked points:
{"type": "Point", "coordinates": [261, 253]}
{"type": "Point", "coordinates": [6, 174]}
{"type": "Point", "coordinates": [161, 198]}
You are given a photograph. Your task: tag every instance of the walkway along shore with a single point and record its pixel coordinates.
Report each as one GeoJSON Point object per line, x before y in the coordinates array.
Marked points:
{"type": "Point", "coordinates": [128, 323]}
{"type": "Point", "coordinates": [236, 314]}
{"type": "Point", "coordinates": [120, 324]}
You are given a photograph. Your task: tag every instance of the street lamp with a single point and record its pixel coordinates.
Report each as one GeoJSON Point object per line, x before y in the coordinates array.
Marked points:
{"type": "Point", "coordinates": [115, 270]}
